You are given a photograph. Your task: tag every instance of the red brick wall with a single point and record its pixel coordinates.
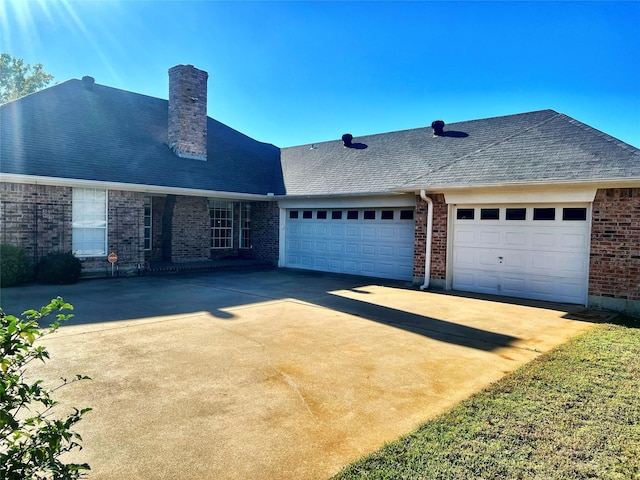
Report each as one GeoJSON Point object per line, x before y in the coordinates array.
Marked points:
{"type": "Point", "coordinates": [191, 229]}
{"type": "Point", "coordinates": [438, 239]}
{"type": "Point", "coordinates": [265, 220]}
{"type": "Point", "coordinates": [615, 244]}
{"type": "Point", "coordinates": [187, 129]}
{"type": "Point", "coordinates": [36, 218]}
{"type": "Point", "coordinates": [191, 232]}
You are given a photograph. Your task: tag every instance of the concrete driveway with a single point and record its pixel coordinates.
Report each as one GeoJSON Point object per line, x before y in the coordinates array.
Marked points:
{"type": "Point", "coordinates": [273, 374]}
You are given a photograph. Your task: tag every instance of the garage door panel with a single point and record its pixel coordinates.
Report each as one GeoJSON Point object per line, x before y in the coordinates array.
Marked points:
{"type": "Point", "coordinates": [380, 248]}
{"type": "Point", "coordinates": [573, 240]}
{"type": "Point", "coordinates": [368, 249]}
{"type": "Point", "coordinates": [463, 237]}
{"type": "Point", "coordinates": [386, 232]}
{"type": "Point", "coordinates": [489, 237]}
{"type": "Point", "coordinates": [515, 239]}
{"type": "Point", "coordinates": [546, 260]}
{"type": "Point", "coordinates": [386, 251]}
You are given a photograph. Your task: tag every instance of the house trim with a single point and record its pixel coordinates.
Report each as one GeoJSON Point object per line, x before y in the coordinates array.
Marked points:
{"type": "Point", "coordinates": [147, 189]}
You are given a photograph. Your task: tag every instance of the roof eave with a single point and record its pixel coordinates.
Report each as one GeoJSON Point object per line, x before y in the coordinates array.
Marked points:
{"type": "Point", "coordinates": [148, 189]}
{"type": "Point", "coordinates": [629, 182]}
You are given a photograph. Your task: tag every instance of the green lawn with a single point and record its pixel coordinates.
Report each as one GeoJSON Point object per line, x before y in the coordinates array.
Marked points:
{"type": "Point", "coordinates": [573, 413]}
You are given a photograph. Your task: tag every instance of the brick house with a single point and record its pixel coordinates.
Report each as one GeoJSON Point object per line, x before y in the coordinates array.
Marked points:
{"type": "Point", "coordinates": [535, 205]}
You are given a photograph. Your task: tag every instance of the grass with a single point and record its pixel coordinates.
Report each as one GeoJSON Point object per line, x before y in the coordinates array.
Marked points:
{"type": "Point", "coordinates": [573, 413]}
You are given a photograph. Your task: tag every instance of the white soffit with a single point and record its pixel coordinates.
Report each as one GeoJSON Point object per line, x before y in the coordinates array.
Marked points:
{"type": "Point", "coordinates": [540, 194]}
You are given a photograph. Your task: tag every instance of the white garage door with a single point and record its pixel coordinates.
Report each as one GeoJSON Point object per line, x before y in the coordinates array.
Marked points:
{"type": "Point", "coordinates": [533, 251]}
{"type": "Point", "coordinates": [370, 242]}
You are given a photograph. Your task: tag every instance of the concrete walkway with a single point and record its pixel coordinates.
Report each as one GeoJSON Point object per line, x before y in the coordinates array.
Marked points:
{"type": "Point", "coordinates": [272, 374]}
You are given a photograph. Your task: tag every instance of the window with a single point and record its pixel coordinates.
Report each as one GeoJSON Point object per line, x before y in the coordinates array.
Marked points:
{"type": "Point", "coordinates": [352, 215]}
{"type": "Point", "coordinates": [245, 225]}
{"type": "Point", "coordinates": [307, 214]}
{"type": "Point", "coordinates": [574, 214]}
{"type": "Point", "coordinates": [489, 214]}
{"type": "Point", "coordinates": [89, 223]}
{"type": "Point", "coordinates": [321, 214]}
{"type": "Point", "coordinates": [221, 214]}
{"type": "Point", "coordinates": [465, 213]}
{"type": "Point", "coordinates": [336, 214]}
{"type": "Point", "coordinates": [148, 202]}
{"type": "Point", "coordinates": [293, 214]}
{"type": "Point", "coordinates": [369, 215]}
{"type": "Point", "coordinates": [516, 214]}
{"type": "Point", "coordinates": [544, 213]}
{"type": "Point", "coordinates": [386, 215]}
{"type": "Point", "coordinates": [406, 214]}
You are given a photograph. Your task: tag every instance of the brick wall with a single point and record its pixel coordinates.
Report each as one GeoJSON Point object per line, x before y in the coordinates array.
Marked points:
{"type": "Point", "coordinates": [438, 239]}
{"type": "Point", "coordinates": [265, 220]}
{"type": "Point", "coordinates": [191, 230]}
{"type": "Point", "coordinates": [615, 245]}
{"type": "Point", "coordinates": [187, 129]}
{"type": "Point", "coordinates": [36, 218]}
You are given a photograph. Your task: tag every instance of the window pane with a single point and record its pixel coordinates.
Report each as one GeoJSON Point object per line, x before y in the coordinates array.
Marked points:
{"type": "Point", "coordinates": [544, 213]}
{"type": "Point", "coordinates": [387, 215]}
{"type": "Point", "coordinates": [293, 214]}
{"type": "Point", "coordinates": [406, 214]}
{"type": "Point", "coordinates": [516, 214]}
{"type": "Point", "coordinates": [489, 214]}
{"type": "Point", "coordinates": [307, 214]}
{"type": "Point", "coordinates": [352, 215]}
{"type": "Point", "coordinates": [89, 221]}
{"type": "Point", "coordinates": [321, 214]}
{"type": "Point", "coordinates": [336, 214]}
{"type": "Point", "coordinates": [574, 214]}
{"type": "Point", "coordinates": [221, 216]}
{"type": "Point", "coordinates": [369, 214]}
{"type": "Point", "coordinates": [465, 213]}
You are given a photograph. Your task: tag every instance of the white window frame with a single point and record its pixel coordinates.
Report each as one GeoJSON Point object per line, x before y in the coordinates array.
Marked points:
{"type": "Point", "coordinates": [244, 237]}
{"type": "Point", "coordinates": [221, 224]}
{"type": "Point", "coordinates": [90, 214]}
{"type": "Point", "coordinates": [148, 229]}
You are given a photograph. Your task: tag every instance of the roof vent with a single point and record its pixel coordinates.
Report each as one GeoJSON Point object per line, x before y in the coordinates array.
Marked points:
{"type": "Point", "coordinates": [347, 139]}
{"type": "Point", "coordinates": [438, 127]}
{"type": "Point", "coordinates": [88, 82]}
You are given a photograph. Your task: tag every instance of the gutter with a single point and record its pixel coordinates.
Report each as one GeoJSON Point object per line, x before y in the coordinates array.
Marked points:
{"type": "Point", "coordinates": [427, 255]}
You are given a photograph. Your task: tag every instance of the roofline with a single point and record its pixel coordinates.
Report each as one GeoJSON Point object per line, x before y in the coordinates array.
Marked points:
{"type": "Point", "coordinates": [150, 189]}
{"type": "Point", "coordinates": [385, 193]}
{"type": "Point", "coordinates": [601, 183]}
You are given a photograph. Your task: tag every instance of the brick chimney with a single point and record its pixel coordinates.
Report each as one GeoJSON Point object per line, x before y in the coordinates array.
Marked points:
{"type": "Point", "coordinates": [188, 111]}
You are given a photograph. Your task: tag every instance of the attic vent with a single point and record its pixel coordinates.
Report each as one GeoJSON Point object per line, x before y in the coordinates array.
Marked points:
{"type": "Point", "coordinates": [88, 81]}
{"type": "Point", "coordinates": [438, 127]}
{"type": "Point", "coordinates": [347, 139]}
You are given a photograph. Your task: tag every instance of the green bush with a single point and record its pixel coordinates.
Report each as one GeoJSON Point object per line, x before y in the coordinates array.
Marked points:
{"type": "Point", "coordinates": [15, 266]}
{"type": "Point", "coordinates": [34, 431]}
{"type": "Point", "coordinates": [58, 269]}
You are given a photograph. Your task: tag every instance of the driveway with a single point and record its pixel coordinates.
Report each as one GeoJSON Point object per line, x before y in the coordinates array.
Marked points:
{"type": "Point", "coordinates": [273, 374]}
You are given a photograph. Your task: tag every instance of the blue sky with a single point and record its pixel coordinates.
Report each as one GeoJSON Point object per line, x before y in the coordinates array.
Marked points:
{"type": "Point", "coordinates": [293, 73]}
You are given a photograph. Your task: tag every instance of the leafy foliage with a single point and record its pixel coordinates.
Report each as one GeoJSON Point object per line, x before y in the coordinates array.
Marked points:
{"type": "Point", "coordinates": [15, 266]}
{"type": "Point", "coordinates": [18, 79]}
{"type": "Point", "coordinates": [32, 438]}
{"type": "Point", "coordinates": [59, 269]}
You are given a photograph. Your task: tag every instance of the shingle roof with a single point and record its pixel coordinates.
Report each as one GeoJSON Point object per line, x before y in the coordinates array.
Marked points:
{"type": "Point", "coordinates": [111, 135]}
{"type": "Point", "coordinates": [535, 147]}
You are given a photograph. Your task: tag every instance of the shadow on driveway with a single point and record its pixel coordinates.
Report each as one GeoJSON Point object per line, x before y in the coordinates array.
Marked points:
{"type": "Point", "coordinates": [106, 300]}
